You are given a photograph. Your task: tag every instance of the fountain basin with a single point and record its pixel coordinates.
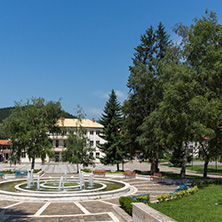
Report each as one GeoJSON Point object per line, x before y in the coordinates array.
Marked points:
{"type": "Point", "coordinates": [65, 196]}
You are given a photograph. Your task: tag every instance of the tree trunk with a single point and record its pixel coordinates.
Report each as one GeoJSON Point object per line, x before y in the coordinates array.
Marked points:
{"type": "Point", "coordinates": [117, 166]}
{"type": "Point", "coordinates": [154, 162]}
{"type": "Point", "coordinates": [183, 167]}
{"type": "Point", "coordinates": [205, 166]}
{"type": "Point", "coordinates": [77, 167]}
{"type": "Point", "coordinates": [33, 163]}
{"type": "Point", "coordinates": [157, 159]}
{"type": "Point", "coordinates": [123, 166]}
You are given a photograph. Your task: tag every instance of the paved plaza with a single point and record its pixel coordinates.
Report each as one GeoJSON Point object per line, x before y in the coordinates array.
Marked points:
{"type": "Point", "coordinates": [79, 211]}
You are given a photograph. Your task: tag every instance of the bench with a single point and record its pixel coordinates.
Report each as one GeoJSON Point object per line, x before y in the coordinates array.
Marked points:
{"type": "Point", "coordinates": [157, 177]}
{"type": "Point", "coordinates": [2, 175]}
{"type": "Point", "coordinates": [129, 173]}
{"type": "Point", "coordinates": [180, 188]}
{"type": "Point", "coordinates": [20, 173]}
{"type": "Point", "coordinates": [99, 172]}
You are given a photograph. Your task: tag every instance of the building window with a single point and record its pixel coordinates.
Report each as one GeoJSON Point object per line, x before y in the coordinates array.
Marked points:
{"type": "Point", "coordinates": [91, 154]}
{"type": "Point", "coordinates": [91, 132]}
{"type": "Point", "coordinates": [64, 143]}
{"type": "Point", "coordinates": [97, 132]}
{"type": "Point", "coordinates": [23, 154]}
{"type": "Point", "coordinates": [57, 143]}
{"type": "Point", "coordinates": [97, 143]}
{"type": "Point", "coordinates": [97, 154]}
{"type": "Point", "coordinates": [91, 143]}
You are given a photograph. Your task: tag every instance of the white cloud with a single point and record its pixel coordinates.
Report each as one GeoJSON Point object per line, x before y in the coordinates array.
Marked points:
{"type": "Point", "coordinates": [100, 94]}
{"type": "Point", "coordinates": [176, 39]}
{"type": "Point", "coordinates": [95, 111]}
{"type": "Point", "coordinates": [120, 94]}
{"type": "Point", "coordinates": [105, 95]}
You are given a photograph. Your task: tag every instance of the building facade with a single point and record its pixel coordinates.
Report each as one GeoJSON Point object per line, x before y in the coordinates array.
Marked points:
{"type": "Point", "coordinates": [4, 150]}
{"type": "Point", "coordinates": [92, 129]}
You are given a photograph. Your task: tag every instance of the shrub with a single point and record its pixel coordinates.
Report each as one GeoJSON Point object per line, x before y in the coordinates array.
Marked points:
{"type": "Point", "coordinates": [177, 195]}
{"type": "Point", "coordinates": [206, 183]}
{"type": "Point", "coordinates": [87, 170]}
{"type": "Point", "coordinates": [126, 204]}
{"type": "Point", "coordinates": [144, 199]}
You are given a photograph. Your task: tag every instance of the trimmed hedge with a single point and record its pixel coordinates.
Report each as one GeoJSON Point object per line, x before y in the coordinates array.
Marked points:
{"type": "Point", "coordinates": [144, 199]}
{"type": "Point", "coordinates": [126, 204]}
{"type": "Point", "coordinates": [13, 171]}
{"type": "Point", "coordinates": [204, 183]}
{"type": "Point", "coordinates": [177, 195]}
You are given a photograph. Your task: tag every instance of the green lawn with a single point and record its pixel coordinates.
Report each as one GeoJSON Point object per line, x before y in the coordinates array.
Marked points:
{"type": "Point", "coordinates": [203, 206]}
{"type": "Point", "coordinates": [200, 168]}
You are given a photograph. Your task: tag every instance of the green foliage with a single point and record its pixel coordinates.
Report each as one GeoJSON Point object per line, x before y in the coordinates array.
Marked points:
{"type": "Point", "coordinates": [13, 171]}
{"type": "Point", "coordinates": [126, 204]}
{"type": "Point", "coordinates": [5, 112]}
{"type": "Point", "coordinates": [204, 206]}
{"type": "Point", "coordinates": [87, 170]}
{"type": "Point", "coordinates": [177, 195]}
{"type": "Point", "coordinates": [78, 148]}
{"type": "Point", "coordinates": [177, 156]}
{"type": "Point", "coordinates": [143, 199]}
{"type": "Point", "coordinates": [204, 183]}
{"type": "Point", "coordinates": [145, 85]}
{"type": "Point", "coordinates": [113, 132]}
{"type": "Point", "coordinates": [28, 126]}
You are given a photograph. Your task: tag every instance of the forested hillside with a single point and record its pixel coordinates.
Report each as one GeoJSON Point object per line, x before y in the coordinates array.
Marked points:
{"type": "Point", "coordinates": [5, 112]}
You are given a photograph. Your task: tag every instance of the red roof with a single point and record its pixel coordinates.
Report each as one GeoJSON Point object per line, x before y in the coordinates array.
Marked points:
{"type": "Point", "coordinates": [5, 142]}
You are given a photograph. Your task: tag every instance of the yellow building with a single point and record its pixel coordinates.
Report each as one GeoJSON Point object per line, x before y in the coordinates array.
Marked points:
{"type": "Point", "coordinates": [91, 127]}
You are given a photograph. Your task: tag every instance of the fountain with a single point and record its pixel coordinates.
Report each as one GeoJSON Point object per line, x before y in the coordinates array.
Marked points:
{"type": "Point", "coordinates": [38, 183]}
{"type": "Point", "coordinates": [65, 177]}
{"type": "Point", "coordinates": [90, 180]}
{"type": "Point", "coordinates": [61, 183]}
{"type": "Point", "coordinates": [32, 177]}
{"type": "Point", "coordinates": [76, 188]}
{"type": "Point", "coordinates": [28, 180]}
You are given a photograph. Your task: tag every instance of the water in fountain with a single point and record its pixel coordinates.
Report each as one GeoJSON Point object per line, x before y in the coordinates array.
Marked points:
{"type": "Point", "coordinates": [90, 180]}
{"type": "Point", "coordinates": [61, 183]}
{"type": "Point", "coordinates": [81, 180]}
{"type": "Point", "coordinates": [28, 180]}
{"type": "Point", "coordinates": [65, 177]}
{"type": "Point", "coordinates": [31, 177]}
{"type": "Point", "coordinates": [38, 183]}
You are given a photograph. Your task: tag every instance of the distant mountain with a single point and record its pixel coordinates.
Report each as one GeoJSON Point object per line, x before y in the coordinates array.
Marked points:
{"type": "Point", "coordinates": [5, 112]}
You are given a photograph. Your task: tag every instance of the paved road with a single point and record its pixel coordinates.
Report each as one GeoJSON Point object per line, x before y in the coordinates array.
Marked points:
{"type": "Point", "coordinates": [71, 168]}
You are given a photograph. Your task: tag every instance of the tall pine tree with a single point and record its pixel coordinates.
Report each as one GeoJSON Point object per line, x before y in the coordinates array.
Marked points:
{"type": "Point", "coordinates": [145, 85]}
{"type": "Point", "coordinates": [112, 121]}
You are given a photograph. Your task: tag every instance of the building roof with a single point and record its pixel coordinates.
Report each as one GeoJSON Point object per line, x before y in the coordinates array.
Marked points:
{"type": "Point", "coordinates": [5, 142]}
{"type": "Point", "coordinates": [86, 123]}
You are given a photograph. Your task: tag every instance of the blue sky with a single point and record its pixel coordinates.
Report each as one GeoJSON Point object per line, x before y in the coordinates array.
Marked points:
{"type": "Point", "coordinates": [79, 50]}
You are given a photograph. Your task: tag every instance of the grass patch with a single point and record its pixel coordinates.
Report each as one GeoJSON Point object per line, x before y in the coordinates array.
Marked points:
{"type": "Point", "coordinates": [204, 206]}
{"type": "Point", "coordinates": [200, 168]}
{"type": "Point", "coordinates": [13, 171]}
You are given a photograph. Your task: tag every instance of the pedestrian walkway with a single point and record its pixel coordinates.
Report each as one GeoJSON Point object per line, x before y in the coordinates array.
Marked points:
{"type": "Point", "coordinates": [81, 211]}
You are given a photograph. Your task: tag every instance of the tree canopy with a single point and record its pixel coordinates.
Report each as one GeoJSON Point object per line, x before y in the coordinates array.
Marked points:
{"type": "Point", "coordinates": [78, 150]}
{"type": "Point", "coordinates": [28, 126]}
{"type": "Point", "coordinates": [111, 119]}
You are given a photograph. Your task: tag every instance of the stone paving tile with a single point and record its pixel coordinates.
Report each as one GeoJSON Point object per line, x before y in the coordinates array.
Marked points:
{"type": "Point", "coordinates": [5, 203]}
{"type": "Point", "coordinates": [85, 218]}
{"type": "Point", "coordinates": [62, 209]}
{"type": "Point", "coordinates": [96, 206]}
{"type": "Point", "coordinates": [114, 201]}
{"type": "Point", "coordinates": [26, 208]}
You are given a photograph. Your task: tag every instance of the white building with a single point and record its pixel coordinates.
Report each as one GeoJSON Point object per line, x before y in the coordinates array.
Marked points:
{"type": "Point", "coordinates": [59, 140]}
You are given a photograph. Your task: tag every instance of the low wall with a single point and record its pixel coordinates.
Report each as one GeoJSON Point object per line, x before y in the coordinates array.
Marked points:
{"type": "Point", "coordinates": [121, 214]}
{"type": "Point", "coordinates": [142, 212]}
